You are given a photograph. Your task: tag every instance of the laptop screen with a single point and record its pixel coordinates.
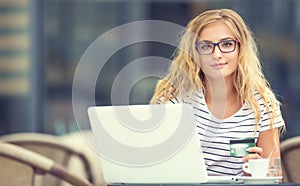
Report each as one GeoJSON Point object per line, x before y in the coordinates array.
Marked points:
{"type": "Point", "coordinates": [148, 143]}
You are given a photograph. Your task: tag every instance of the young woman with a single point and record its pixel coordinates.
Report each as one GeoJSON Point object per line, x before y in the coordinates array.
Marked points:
{"type": "Point", "coordinates": [218, 71]}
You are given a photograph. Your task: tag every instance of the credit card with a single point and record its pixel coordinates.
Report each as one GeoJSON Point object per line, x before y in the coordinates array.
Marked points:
{"type": "Point", "coordinates": [239, 147]}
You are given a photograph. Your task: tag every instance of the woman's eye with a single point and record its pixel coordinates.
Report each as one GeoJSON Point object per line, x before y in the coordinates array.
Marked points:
{"type": "Point", "coordinates": [205, 46]}
{"type": "Point", "coordinates": [227, 44]}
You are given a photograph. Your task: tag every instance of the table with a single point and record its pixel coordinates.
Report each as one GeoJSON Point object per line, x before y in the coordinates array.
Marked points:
{"type": "Point", "coordinates": [208, 184]}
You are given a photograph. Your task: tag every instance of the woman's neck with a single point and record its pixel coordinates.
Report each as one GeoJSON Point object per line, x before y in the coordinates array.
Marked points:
{"type": "Point", "coordinates": [222, 98]}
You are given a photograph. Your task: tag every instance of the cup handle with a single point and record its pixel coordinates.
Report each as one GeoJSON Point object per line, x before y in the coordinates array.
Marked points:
{"type": "Point", "coordinates": [246, 168]}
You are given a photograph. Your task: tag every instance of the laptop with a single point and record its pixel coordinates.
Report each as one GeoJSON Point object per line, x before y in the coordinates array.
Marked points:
{"type": "Point", "coordinates": [149, 144]}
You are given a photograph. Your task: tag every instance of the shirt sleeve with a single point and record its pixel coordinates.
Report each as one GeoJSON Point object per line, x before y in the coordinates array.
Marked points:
{"type": "Point", "coordinates": [266, 119]}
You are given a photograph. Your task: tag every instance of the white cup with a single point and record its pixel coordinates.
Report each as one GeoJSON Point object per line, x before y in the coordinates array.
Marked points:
{"type": "Point", "coordinates": [257, 167]}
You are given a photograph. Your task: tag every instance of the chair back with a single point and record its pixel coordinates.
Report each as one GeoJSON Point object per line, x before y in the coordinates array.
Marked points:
{"type": "Point", "coordinates": [50, 146]}
{"type": "Point", "coordinates": [20, 166]}
{"type": "Point", "coordinates": [85, 143]}
{"type": "Point", "coordinates": [290, 151]}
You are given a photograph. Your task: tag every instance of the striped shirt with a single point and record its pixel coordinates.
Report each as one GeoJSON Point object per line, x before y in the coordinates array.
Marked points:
{"type": "Point", "coordinates": [214, 134]}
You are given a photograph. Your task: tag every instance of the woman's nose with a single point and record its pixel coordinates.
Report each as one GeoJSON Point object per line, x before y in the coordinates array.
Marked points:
{"type": "Point", "coordinates": [217, 53]}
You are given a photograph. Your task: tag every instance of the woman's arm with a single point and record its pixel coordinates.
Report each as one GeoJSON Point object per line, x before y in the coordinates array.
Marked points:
{"type": "Point", "coordinates": [267, 144]}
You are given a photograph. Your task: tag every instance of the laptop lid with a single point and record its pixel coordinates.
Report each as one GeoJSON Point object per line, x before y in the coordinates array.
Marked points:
{"type": "Point", "coordinates": [148, 144]}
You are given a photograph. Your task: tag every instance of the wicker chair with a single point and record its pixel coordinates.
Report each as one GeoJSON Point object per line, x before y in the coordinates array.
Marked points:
{"type": "Point", "coordinates": [85, 142]}
{"type": "Point", "coordinates": [52, 147]}
{"type": "Point", "coordinates": [20, 166]}
{"type": "Point", "coordinates": [290, 151]}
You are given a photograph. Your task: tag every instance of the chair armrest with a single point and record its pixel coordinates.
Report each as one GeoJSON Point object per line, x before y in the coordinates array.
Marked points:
{"type": "Point", "coordinates": [40, 162]}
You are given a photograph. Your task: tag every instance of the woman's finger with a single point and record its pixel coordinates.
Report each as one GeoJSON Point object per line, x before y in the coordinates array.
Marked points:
{"type": "Point", "coordinates": [255, 153]}
{"type": "Point", "coordinates": [255, 150]}
{"type": "Point", "coordinates": [251, 156]}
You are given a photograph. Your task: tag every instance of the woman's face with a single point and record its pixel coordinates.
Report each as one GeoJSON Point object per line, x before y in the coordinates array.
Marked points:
{"type": "Point", "coordinates": [218, 65]}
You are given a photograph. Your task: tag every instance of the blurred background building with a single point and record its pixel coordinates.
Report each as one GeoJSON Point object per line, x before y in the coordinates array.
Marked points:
{"type": "Point", "coordinates": [42, 41]}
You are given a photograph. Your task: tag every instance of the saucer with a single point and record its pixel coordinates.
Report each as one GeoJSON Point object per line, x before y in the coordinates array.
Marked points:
{"type": "Point", "coordinates": [260, 180]}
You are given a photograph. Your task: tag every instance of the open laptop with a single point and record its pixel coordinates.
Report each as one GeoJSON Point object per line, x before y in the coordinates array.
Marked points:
{"type": "Point", "coordinates": [149, 144]}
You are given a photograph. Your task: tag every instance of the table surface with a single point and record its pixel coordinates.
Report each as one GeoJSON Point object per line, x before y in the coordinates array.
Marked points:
{"type": "Point", "coordinates": [215, 184]}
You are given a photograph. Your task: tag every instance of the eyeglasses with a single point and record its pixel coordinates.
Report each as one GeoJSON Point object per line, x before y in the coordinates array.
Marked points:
{"type": "Point", "coordinates": [206, 48]}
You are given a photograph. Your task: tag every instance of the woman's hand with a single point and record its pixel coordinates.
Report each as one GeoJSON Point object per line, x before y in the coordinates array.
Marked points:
{"type": "Point", "coordinates": [255, 153]}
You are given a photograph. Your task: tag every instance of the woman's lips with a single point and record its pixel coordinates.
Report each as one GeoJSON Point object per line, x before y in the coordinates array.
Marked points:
{"type": "Point", "coordinates": [218, 65]}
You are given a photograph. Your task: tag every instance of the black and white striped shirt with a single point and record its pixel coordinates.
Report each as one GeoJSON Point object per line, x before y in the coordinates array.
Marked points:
{"type": "Point", "coordinates": [215, 134]}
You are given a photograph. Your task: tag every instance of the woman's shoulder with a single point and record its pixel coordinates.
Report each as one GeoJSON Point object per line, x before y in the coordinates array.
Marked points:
{"type": "Point", "coordinates": [266, 101]}
{"type": "Point", "coordinates": [179, 99]}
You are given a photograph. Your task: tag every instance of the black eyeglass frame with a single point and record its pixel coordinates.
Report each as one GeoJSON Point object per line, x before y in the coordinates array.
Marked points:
{"type": "Point", "coordinates": [217, 44]}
